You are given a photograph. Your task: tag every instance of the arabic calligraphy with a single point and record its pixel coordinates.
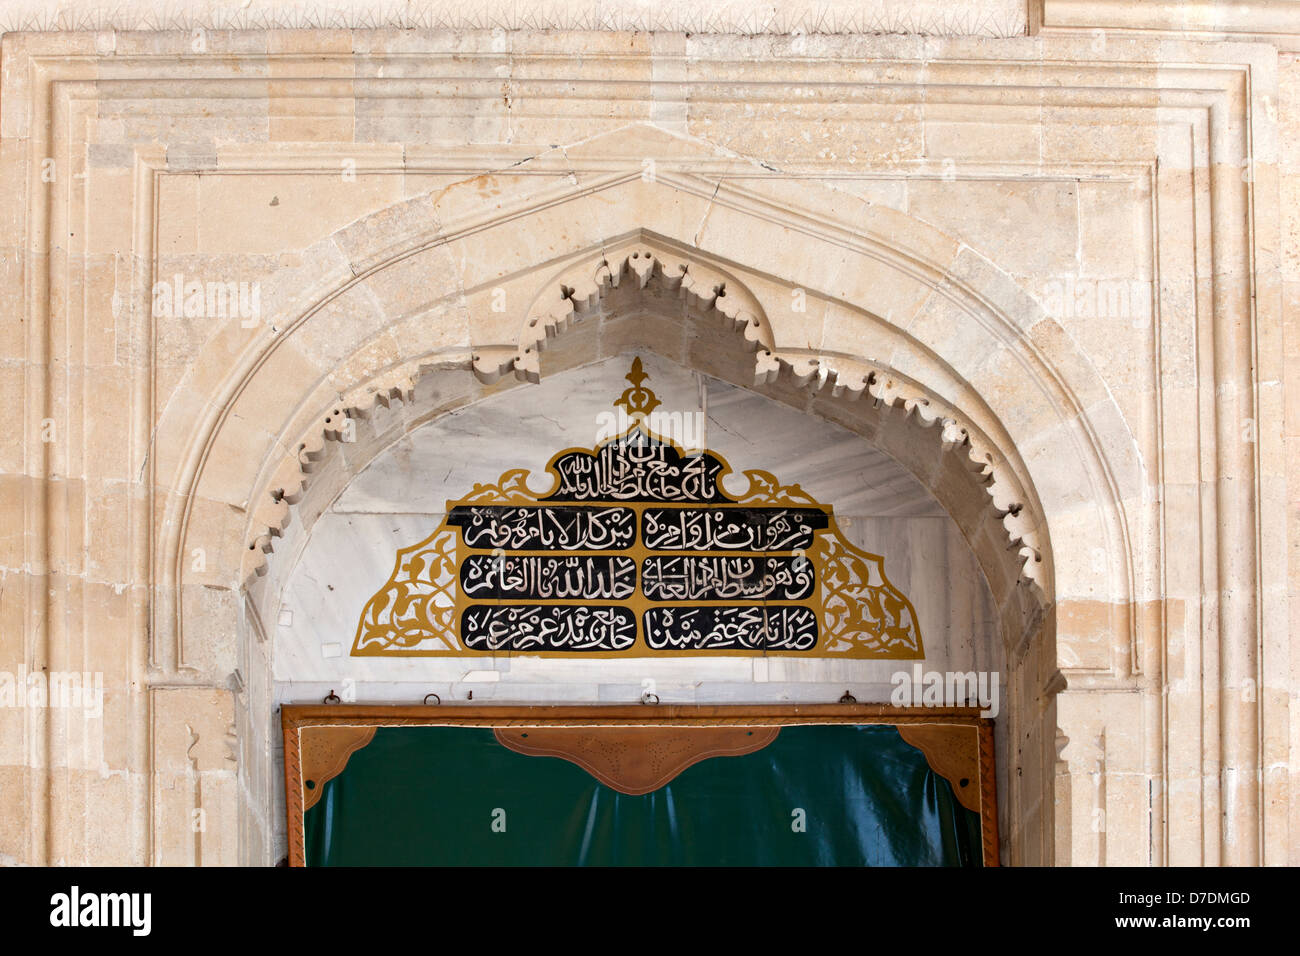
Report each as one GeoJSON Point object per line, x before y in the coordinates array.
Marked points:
{"type": "Point", "coordinates": [638, 469]}
{"type": "Point", "coordinates": [547, 627]}
{"type": "Point", "coordinates": [731, 529]}
{"type": "Point", "coordinates": [731, 628]}
{"type": "Point", "coordinates": [638, 550]}
{"type": "Point", "coordinates": [703, 578]}
{"type": "Point", "coordinates": [532, 576]}
{"type": "Point", "coordinates": [544, 529]}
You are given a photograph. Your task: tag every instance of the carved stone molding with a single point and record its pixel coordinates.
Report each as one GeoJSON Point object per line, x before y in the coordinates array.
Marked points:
{"type": "Point", "coordinates": [797, 19]}
{"type": "Point", "coordinates": [578, 292]}
{"type": "Point", "coordinates": [855, 380]}
{"type": "Point", "coordinates": [1260, 21]}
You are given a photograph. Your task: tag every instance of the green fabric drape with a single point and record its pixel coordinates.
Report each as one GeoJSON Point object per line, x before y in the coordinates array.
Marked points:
{"type": "Point", "coordinates": [827, 794]}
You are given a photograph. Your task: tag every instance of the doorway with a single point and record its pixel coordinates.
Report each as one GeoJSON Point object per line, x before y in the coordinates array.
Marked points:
{"type": "Point", "coordinates": [843, 784]}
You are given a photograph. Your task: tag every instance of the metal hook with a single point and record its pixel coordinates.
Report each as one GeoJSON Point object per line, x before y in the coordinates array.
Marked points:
{"type": "Point", "coordinates": [646, 698]}
{"type": "Point", "coordinates": [848, 698]}
{"type": "Point", "coordinates": [434, 696]}
{"type": "Point", "coordinates": [332, 698]}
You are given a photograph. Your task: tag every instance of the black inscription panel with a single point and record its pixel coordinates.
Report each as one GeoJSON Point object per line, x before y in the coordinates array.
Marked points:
{"type": "Point", "coordinates": [731, 628]}
{"type": "Point", "coordinates": [692, 577]}
{"type": "Point", "coordinates": [544, 528]}
{"type": "Point", "coordinates": [580, 577]}
{"type": "Point", "coordinates": [731, 529]}
{"type": "Point", "coordinates": [547, 627]}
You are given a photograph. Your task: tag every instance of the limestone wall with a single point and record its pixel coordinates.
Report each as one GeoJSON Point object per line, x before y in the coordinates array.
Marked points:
{"type": "Point", "coordinates": [1048, 273]}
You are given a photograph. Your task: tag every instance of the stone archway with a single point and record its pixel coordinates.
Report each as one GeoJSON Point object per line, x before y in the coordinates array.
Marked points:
{"type": "Point", "coordinates": [347, 567]}
{"type": "Point", "coordinates": [400, 306]}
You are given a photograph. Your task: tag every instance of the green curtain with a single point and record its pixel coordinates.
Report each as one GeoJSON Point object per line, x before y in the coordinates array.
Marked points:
{"type": "Point", "coordinates": [827, 794]}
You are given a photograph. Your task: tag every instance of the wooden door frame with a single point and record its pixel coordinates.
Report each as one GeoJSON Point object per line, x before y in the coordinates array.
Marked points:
{"type": "Point", "coordinates": [295, 717]}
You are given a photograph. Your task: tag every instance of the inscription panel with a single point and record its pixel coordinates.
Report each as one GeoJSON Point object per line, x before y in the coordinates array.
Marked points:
{"type": "Point", "coordinates": [638, 550]}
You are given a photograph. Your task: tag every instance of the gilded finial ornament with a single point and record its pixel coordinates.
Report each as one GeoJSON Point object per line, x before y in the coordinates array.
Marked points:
{"type": "Point", "coordinates": [638, 551]}
{"type": "Point", "coordinates": [638, 401]}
